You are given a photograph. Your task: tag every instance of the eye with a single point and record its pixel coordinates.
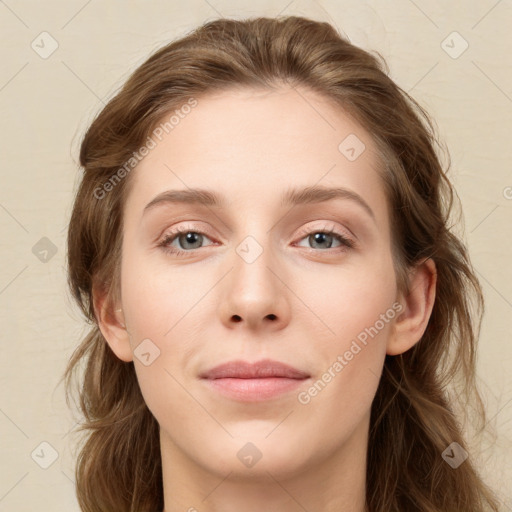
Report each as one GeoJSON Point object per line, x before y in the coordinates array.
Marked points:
{"type": "Point", "coordinates": [185, 238]}
{"type": "Point", "coordinates": [324, 238]}
{"type": "Point", "coordinates": [189, 240]}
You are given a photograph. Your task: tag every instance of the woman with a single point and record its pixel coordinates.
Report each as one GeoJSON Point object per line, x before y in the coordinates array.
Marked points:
{"type": "Point", "coordinates": [255, 369]}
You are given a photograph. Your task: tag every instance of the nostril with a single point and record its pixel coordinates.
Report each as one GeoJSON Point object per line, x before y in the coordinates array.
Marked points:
{"type": "Point", "coordinates": [236, 318]}
{"type": "Point", "coordinates": [272, 316]}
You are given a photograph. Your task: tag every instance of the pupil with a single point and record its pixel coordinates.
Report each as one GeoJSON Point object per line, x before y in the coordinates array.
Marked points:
{"type": "Point", "coordinates": [320, 238]}
{"type": "Point", "coordinates": [190, 237]}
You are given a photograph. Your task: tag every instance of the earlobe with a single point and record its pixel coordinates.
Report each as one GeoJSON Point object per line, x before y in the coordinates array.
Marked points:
{"type": "Point", "coordinates": [111, 323]}
{"type": "Point", "coordinates": [411, 324]}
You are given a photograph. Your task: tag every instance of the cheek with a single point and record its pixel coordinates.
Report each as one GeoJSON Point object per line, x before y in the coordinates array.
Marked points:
{"type": "Point", "coordinates": [349, 298]}
{"type": "Point", "coordinates": [155, 299]}
{"type": "Point", "coordinates": [158, 303]}
{"type": "Point", "coordinates": [357, 310]}
{"type": "Point", "coordinates": [360, 312]}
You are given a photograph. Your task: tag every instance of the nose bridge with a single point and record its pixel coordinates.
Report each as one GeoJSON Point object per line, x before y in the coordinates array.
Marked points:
{"type": "Point", "coordinates": [254, 251]}
{"type": "Point", "coordinates": [252, 263]}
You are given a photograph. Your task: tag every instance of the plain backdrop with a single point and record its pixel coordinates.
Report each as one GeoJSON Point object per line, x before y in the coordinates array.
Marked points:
{"type": "Point", "coordinates": [62, 60]}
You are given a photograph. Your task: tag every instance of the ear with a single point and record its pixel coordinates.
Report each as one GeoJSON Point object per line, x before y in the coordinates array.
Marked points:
{"type": "Point", "coordinates": [412, 322]}
{"type": "Point", "coordinates": [112, 325]}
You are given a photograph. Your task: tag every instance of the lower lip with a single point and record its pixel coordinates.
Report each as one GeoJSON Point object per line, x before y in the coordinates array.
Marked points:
{"type": "Point", "coordinates": [254, 390]}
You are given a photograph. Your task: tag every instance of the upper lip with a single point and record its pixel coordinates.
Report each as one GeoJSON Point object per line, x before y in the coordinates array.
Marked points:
{"type": "Point", "coordinates": [259, 370]}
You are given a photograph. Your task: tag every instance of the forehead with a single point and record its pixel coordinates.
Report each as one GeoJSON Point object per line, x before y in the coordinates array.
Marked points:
{"type": "Point", "coordinates": [253, 144]}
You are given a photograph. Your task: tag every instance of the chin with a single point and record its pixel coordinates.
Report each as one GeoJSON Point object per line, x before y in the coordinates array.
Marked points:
{"type": "Point", "coordinates": [253, 460]}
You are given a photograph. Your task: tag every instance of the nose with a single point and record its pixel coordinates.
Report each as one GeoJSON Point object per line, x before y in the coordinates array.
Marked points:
{"type": "Point", "coordinates": [255, 294]}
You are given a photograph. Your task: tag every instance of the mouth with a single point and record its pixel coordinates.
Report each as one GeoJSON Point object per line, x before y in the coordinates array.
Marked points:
{"type": "Point", "coordinates": [254, 382]}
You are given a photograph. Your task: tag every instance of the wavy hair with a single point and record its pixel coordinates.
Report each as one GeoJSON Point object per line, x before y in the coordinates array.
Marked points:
{"type": "Point", "coordinates": [413, 418]}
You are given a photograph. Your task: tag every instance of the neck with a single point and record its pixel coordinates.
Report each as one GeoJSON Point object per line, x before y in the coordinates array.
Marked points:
{"type": "Point", "coordinates": [330, 482]}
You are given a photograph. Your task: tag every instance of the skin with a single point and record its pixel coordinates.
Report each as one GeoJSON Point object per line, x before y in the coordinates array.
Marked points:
{"type": "Point", "coordinates": [210, 305]}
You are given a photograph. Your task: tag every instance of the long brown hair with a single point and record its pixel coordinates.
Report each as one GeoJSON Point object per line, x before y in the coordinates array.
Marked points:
{"type": "Point", "coordinates": [413, 417]}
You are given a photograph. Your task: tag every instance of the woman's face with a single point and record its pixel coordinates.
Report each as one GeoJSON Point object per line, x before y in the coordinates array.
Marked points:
{"type": "Point", "coordinates": [258, 277]}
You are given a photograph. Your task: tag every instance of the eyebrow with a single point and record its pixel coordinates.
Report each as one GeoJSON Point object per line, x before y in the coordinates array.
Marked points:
{"type": "Point", "coordinates": [291, 197]}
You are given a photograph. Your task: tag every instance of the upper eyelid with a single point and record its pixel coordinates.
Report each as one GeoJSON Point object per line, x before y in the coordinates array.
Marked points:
{"type": "Point", "coordinates": [328, 227]}
{"type": "Point", "coordinates": [187, 228]}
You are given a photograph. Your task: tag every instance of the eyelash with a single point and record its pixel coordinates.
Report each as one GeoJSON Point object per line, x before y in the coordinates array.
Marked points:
{"type": "Point", "coordinates": [346, 243]}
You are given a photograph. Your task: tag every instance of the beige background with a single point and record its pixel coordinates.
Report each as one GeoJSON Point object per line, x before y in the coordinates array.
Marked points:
{"type": "Point", "coordinates": [47, 103]}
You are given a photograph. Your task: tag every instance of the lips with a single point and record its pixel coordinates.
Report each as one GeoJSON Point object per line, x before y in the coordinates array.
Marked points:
{"type": "Point", "coordinates": [266, 368]}
{"type": "Point", "coordinates": [264, 380]}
